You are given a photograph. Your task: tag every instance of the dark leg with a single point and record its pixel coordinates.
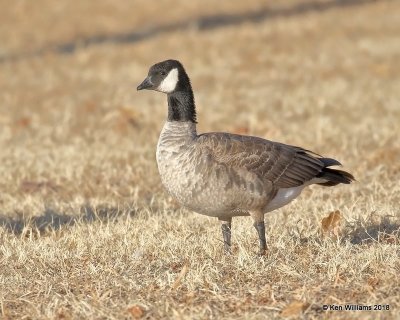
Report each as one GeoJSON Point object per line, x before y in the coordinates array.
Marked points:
{"type": "Point", "coordinates": [260, 227]}
{"type": "Point", "coordinates": [226, 233]}
{"type": "Point", "coordinates": [258, 217]}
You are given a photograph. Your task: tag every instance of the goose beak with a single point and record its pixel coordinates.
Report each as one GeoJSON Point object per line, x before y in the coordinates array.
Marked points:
{"type": "Point", "coordinates": [146, 84]}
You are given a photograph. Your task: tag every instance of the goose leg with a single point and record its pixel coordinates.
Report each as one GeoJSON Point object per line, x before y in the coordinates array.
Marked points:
{"type": "Point", "coordinates": [226, 233]}
{"type": "Point", "coordinates": [260, 227]}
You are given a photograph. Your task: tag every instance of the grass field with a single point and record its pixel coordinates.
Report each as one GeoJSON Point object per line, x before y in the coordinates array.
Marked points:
{"type": "Point", "coordinates": [86, 228]}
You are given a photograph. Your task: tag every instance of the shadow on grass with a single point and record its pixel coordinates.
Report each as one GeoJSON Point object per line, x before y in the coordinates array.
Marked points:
{"type": "Point", "coordinates": [51, 220]}
{"type": "Point", "coordinates": [203, 23]}
{"type": "Point", "coordinates": [384, 231]}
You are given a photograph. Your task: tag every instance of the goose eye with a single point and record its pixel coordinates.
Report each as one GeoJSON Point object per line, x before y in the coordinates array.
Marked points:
{"type": "Point", "coordinates": [163, 73]}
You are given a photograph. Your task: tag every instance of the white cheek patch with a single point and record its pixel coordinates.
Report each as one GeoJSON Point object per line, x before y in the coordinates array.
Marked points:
{"type": "Point", "coordinates": [169, 83]}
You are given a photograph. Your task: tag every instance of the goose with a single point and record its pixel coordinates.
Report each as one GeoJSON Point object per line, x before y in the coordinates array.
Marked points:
{"type": "Point", "coordinates": [225, 175]}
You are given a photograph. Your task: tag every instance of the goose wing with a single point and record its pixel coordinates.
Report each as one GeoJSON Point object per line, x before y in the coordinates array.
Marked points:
{"type": "Point", "coordinates": [283, 165]}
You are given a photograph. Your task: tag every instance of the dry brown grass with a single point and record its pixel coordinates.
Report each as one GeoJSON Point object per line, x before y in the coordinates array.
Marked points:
{"type": "Point", "coordinates": [86, 228]}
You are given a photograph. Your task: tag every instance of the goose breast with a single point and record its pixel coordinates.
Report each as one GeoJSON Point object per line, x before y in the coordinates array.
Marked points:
{"type": "Point", "coordinates": [191, 174]}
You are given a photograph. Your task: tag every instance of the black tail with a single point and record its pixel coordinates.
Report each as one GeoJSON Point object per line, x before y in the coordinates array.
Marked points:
{"type": "Point", "coordinates": [333, 176]}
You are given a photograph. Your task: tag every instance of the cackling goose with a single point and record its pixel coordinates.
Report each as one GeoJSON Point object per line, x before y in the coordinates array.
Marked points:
{"type": "Point", "coordinates": [225, 175]}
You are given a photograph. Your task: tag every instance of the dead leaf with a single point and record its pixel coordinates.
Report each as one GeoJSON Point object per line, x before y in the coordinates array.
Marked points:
{"type": "Point", "coordinates": [90, 106]}
{"type": "Point", "coordinates": [23, 122]}
{"type": "Point", "coordinates": [181, 275]}
{"type": "Point", "coordinates": [388, 238]}
{"type": "Point", "coordinates": [373, 282]}
{"type": "Point", "coordinates": [331, 223]}
{"type": "Point", "coordinates": [136, 311]}
{"type": "Point", "coordinates": [129, 115]}
{"type": "Point", "coordinates": [176, 266]}
{"type": "Point", "coordinates": [295, 308]}
{"type": "Point", "coordinates": [63, 314]}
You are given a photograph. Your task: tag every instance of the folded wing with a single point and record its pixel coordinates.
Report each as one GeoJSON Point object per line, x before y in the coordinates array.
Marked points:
{"type": "Point", "coordinates": [283, 165]}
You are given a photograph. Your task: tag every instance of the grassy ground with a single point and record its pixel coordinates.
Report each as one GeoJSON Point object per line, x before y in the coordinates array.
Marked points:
{"type": "Point", "coordinates": [86, 229]}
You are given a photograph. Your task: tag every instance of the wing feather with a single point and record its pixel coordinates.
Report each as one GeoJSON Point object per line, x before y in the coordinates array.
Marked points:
{"type": "Point", "coordinates": [283, 165]}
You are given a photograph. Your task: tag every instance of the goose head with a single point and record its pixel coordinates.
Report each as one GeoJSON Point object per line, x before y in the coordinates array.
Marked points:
{"type": "Point", "coordinates": [170, 77]}
{"type": "Point", "coordinates": [167, 76]}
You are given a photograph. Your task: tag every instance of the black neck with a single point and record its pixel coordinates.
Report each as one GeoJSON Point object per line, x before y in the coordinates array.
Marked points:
{"type": "Point", "coordinates": [181, 106]}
